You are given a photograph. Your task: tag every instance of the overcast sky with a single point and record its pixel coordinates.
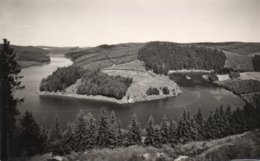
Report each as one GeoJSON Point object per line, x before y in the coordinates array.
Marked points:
{"type": "Point", "coordinates": [95, 22]}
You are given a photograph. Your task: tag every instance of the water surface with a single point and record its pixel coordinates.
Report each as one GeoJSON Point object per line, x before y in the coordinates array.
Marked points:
{"type": "Point", "coordinates": [44, 108]}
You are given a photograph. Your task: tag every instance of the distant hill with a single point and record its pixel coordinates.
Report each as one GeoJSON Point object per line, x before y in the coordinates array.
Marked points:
{"type": "Point", "coordinates": [239, 55]}
{"type": "Point", "coordinates": [164, 56]}
{"type": "Point", "coordinates": [29, 55]}
{"type": "Point", "coordinates": [106, 55]}
{"type": "Point", "coordinates": [245, 48]}
{"type": "Point", "coordinates": [61, 50]}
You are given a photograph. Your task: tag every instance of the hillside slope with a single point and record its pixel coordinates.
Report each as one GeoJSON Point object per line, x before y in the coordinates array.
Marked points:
{"type": "Point", "coordinates": [29, 55]}
{"type": "Point", "coordinates": [246, 145]}
{"type": "Point", "coordinates": [106, 55]}
{"type": "Point", "coordinates": [239, 54]}
{"type": "Point", "coordinates": [244, 48]}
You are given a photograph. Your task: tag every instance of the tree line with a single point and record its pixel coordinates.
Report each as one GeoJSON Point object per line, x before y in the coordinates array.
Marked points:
{"type": "Point", "coordinates": [164, 56]}
{"type": "Point", "coordinates": [60, 79]}
{"type": "Point", "coordinates": [95, 82]}
{"type": "Point", "coordinates": [87, 132]}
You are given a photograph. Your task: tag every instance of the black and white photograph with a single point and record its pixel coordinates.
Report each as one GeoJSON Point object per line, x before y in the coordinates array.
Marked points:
{"type": "Point", "coordinates": [130, 80]}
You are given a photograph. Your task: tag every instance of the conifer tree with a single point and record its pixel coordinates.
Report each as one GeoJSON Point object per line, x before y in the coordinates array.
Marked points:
{"type": "Point", "coordinates": [44, 137]}
{"type": "Point", "coordinates": [134, 133]}
{"type": "Point", "coordinates": [149, 137]}
{"type": "Point", "coordinates": [30, 135]}
{"type": "Point", "coordinates": [91, 132]}
{"type": "Point", "coordinates": [157, 136]}
{"type": "Point", "coordinates": [183, 128]}
{"type": "Point", "coordinates": [80, 132]}
{"type": "Point", "coordinates": [194, 133]}
{"type": "Point", "coordinates": [55, 137]}
{"type": "Point", "coordinates": [211, 127]}
{"type": "Point", "coordinates": [9, 83]}
{"type": "Point", "coordinates": [105, 137]}
{"type": "Point", "coordinates": [173, 139]}
{"type": "Point", "coordinates": [120, 136]}
{"type": "Point", "coordinates": [200, 124]}
{"type": "Point", "coordinates": [228, 117]}
{"type": "Point", "coordinates": [165, 130]}
{"type": "Point", "coordinates": [68, 142]}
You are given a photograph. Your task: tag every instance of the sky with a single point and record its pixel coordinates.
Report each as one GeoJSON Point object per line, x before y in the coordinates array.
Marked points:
{"type": "Point", "coordinates": [95, 22]}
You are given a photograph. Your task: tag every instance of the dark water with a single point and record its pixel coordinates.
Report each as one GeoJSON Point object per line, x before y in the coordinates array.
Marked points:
{"type": "Point", "coordinates": [45, 108]}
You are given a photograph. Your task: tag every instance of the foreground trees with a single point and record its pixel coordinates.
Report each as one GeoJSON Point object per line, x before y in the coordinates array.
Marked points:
{"type": "Point", "coordinates": [9, 83]}
{"type": "Point", "coordinates": [85, 132]}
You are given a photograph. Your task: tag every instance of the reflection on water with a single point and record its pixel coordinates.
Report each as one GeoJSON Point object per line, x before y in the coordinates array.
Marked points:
{"type": "Point", "coordinates": [45, 108]}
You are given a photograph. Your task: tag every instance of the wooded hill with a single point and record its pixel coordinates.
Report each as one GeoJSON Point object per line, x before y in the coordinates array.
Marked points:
{"type": "Point", "coordinates": [164, 56]}
{"type": "Point", "coordinates": [26, 55]}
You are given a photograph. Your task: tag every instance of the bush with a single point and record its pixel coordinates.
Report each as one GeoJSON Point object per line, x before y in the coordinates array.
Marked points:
{"type": "Point", "coordinates": [99, 83]}
{"type": "Point", "coordinates": [234, 74]}
{"type": "Point", "coordinates": [61, 78]}
{"type": "Point", "coordinates": [165, 90]}
{"type": "Point", "coordinates": [152, 91]}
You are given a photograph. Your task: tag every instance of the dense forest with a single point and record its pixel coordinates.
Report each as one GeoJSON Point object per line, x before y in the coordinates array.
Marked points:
{"type": "Point", "coordinates": [256, 62]}
{"type": "Point", "coordinates": [164, 56]}
{"type": "Point", "coordinates": [61, 79]}
{"type": "Point", "coordinates": [99, 83]}
{"type": "Point", "coordinates": [105, 131]}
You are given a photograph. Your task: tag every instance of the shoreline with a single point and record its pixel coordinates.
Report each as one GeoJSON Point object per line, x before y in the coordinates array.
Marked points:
{"type": "Point", "coordinates": [102, 98]}
{"type": "Point", "coordinates": [24, 64]}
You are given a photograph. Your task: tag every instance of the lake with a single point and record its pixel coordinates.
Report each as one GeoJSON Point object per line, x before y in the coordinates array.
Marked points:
{"type": "Point", "coordinates": [44, 108]}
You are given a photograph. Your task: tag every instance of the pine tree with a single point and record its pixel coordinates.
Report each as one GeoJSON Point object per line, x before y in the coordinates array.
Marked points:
{"type": "Point", "coordinates": [157, 136]}
{"type": "Point", "coordinates": [228, 117]}
{"type": "Point", "coordinates": [44, 137]}
{"type": "Point", "coordinates": [194, 133]}
{"type": "Point", "coordinates": [149, 137]}
{"type": "Point", "coordinates": [9, 83]}
{"type": "Point", "coordinates": [134, 136]}
{"type": "Point", "coordinates": [120, 135]}
{"type": "Point", "coordinates": [183, 128]}
{"type": "Point", "coordinates": [80, 132]}
{"type": "Point", "coordinates": [55, 137]}
{"type": "Point", "coordinates": [30, 135]}
{"type": "Point", "coordinates": [91, 132]}
{"type": "Point", "coordinates": [211, 127]}
{"type": "Point", "coordinates": [67, 144]}
{"type": "Point", "coordinates": [165, 130]}
{"type": "Point", "coordinates": [105, 138]}
{"type": "Point", "coordinates": [200, 124]}
{"type": "Point", "coordinates": [173, 138]}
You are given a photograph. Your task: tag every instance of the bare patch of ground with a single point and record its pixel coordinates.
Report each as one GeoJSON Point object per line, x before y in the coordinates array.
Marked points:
{"type": "Point", "coordinates": [142, 81]}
